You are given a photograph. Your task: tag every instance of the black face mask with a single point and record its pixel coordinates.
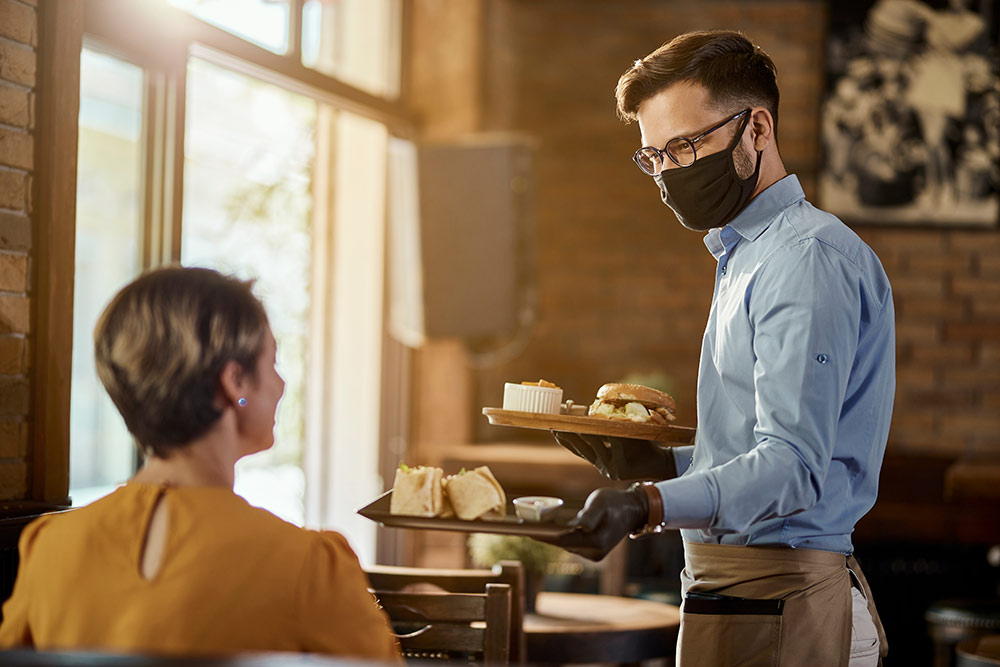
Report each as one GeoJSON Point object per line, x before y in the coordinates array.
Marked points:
{"type": "Point", "coordinates": [709, 193]}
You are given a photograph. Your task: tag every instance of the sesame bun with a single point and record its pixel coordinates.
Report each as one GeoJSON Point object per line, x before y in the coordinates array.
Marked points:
{"type": "Point", "coordinates": [633, 402]}
{"type": "Point", "coordinates": [615, 392]}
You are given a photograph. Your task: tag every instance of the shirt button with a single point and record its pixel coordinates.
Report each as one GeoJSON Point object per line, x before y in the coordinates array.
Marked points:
{"type": "Point", "coordinates": [822, 358]}
{"type": "Point", "coordinates": [723, 269]}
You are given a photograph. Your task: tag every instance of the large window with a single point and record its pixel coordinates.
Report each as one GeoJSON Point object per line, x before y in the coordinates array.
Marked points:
{"type": "Point", "coordinates": [108, 224]}
{"type": "Point", "coordinates": [262, 22]}
{"type": "Point", "coordinates": [354, 40]}
{"type": "Point", "coordinates": [254, 168]}
{"type": "Point", "coordinates": [248, 211]}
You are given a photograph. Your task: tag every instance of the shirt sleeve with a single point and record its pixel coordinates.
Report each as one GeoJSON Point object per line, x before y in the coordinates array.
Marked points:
{"type": "Point", "coordinates": [805, 315]}
{"type": "Point", "coordinates": [337, 613]}
{"type": "Point", "coordinates": [682, 457]}
{"type": "Point", "coordinates": [15, 631]}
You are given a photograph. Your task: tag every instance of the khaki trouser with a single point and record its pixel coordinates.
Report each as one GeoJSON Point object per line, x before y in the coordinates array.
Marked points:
{"type": "Point", "coordinates": [755, 606]}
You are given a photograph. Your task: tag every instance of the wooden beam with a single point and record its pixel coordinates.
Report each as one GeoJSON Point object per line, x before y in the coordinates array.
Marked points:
{"type": "Point", "coordinates": [295, 29]}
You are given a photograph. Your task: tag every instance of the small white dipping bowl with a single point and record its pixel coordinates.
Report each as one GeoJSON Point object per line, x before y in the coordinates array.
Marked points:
{"type": "Point", "coordinates": [532, 398]}
{"type": "Point", "coordinates": [536, 508]}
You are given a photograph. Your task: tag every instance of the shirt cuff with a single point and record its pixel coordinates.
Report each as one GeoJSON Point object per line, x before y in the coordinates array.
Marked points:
{"type": "Point", "coordinates": [687, 502]}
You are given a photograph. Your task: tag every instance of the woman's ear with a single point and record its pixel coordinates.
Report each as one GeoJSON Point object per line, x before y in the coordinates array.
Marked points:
{"type": "Point", "coordinates": [761, 128]}
{"type": "Point", "coordinates": [232, 384]}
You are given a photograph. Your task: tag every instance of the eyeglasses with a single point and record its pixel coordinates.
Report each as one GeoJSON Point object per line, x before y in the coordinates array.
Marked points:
{"type": "Point", "coordinates": [680, 150]}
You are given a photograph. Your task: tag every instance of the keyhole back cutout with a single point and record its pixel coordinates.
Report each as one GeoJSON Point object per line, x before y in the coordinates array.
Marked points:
{"type": "Point", "coordinates": [155, 539]}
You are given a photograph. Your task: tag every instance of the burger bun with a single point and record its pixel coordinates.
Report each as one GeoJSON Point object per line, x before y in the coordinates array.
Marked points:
{"type": "Point", "coordinates": [633, 402]}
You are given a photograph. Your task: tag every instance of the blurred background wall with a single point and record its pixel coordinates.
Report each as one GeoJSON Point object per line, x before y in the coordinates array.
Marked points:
{"type": "Point", "coordinates": [18, 39]}
{"type": "Point", "coordinates": [623, 288]}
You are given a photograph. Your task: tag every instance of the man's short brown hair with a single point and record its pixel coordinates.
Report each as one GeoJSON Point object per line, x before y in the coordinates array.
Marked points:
{"type": "Point", "coordinates": [733, 71]}
{"type": "Point", "coordinates": [161, 345]}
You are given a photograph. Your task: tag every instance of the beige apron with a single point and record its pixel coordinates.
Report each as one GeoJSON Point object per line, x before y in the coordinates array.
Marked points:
{"type": "Point", "coordinates": [776, 606]}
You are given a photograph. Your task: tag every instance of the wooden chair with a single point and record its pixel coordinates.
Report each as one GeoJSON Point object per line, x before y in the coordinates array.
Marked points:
{"type": "Point", "coordinates": [390, 578]}
{"type": "Point", "coordinates": [978, 652]}
{"type": "Point", "coordinates": [452, 625]}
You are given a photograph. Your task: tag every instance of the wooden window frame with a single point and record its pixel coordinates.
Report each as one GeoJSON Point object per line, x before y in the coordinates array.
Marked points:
{"type": "Point", "coordinates": [156, 29]}
{"type": "Point", "coordinates": [159, 38]}
{"type": "Point", "coordinates": [60, 26]}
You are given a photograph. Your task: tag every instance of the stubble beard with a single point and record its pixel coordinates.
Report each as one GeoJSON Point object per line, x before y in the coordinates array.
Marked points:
{"type": "Point", "coordinates": [744, 161]}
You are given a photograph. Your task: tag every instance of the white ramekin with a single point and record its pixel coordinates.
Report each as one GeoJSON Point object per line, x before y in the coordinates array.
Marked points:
{"type": "Point", "coordinates": [536, 508]}
{"type": "Point", "coordinates": [530, 398]}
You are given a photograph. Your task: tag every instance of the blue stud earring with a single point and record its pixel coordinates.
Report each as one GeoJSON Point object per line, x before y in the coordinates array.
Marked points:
{"type": "Point", "coordinates": [242, 402]}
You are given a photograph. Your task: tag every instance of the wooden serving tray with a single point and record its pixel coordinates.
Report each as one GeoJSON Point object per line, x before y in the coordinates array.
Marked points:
{"type": "Point", "coordinates": [378, 511]}
{"type": "Point", "coordinates": [674, 435]}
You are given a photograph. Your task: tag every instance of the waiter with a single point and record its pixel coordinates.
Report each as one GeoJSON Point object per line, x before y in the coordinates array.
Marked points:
{"type": "Point", "coordinates": [795, 383]}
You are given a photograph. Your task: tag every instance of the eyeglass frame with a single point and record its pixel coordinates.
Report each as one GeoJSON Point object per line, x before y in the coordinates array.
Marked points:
{"type": "Point", "coordinates": [691, 141]}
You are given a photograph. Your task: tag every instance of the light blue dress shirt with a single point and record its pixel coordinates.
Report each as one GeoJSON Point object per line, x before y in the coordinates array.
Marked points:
{"type": "Point", "coordinates": [795, 386]}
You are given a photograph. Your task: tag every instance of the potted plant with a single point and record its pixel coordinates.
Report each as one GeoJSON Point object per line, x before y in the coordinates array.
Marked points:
{"type": "Point", "coordinates": [538, 558]}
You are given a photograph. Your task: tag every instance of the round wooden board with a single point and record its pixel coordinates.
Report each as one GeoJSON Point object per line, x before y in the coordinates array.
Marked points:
{"type": "Point", "coordinates": [678, 435]}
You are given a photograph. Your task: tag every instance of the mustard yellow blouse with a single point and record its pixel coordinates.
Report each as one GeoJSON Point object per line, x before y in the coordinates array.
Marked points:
{"type": "Point", "coordinates": [233, 578]}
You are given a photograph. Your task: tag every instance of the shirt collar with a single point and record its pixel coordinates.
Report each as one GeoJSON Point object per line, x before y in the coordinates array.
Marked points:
{"type": "Point", "coordinates": [765, 207]}
{"type": "Point", "coordinates": [721, 240]}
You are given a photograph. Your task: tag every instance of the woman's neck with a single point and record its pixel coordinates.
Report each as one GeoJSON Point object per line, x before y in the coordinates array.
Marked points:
{"type": "Point", "coordinates": [209, 460]}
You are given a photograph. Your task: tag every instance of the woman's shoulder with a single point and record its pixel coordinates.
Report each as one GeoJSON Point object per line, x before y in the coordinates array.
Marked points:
{"type": "Point", "coordinates": [31, 533]}
{"type": "Point", "coordinates": [77, 518]}
{"type": "Point", "coordinates": [331, 539]}
{"type": "Point", "coordinates": [59, 532]}
{"type": "Point", "coordinates": [224, 511]}
{"type": "Point", "coordinates": [328, 554]}
{"type": "Point", "coordinates": [221, 507]}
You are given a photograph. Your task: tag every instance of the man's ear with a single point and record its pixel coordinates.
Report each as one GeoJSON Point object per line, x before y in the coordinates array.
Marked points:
{"type": "Point", "coordinates": [761, 128]}
{"type": "Point", "coordinates": [232, 383]}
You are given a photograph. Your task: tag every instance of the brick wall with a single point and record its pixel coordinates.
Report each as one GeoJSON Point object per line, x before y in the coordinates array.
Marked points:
{"type": "Point", "coordinates": [624, 289]}
{"type": "Point", "coordinates": [18, 41]}
{"type": "Point", "coordinates": [947, 291]}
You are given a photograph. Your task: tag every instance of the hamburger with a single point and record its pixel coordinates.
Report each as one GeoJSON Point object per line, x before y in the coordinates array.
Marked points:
{"type": "Point", "coordinates": [633, 402]}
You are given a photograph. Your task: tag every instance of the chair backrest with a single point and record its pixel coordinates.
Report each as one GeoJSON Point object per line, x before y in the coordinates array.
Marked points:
{"type": "Point", "coordinates": [510, 572]}
{"type": "Point", "coordinates": [445, 625]}
{"type": "Point", "coordinates": [981, 651]}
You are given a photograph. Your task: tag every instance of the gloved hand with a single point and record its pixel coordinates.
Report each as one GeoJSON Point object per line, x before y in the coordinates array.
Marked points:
{"type": "Point", "coordinates": [621, 458]}
{"type": "Point", "coordinates": [606, 517]}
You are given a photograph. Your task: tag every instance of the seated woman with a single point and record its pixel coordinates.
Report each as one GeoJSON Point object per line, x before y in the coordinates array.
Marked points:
{"type": "Point", "coordinates": [174, 562]}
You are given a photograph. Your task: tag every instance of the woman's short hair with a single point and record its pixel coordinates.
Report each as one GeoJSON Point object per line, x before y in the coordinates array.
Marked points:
{"type": "Point", "coordinates": [161, 345]}
{"type": "Point", "coordinates": [733, 71]}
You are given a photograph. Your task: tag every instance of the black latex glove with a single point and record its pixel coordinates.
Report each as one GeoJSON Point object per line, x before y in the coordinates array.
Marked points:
{"type": "Point", "coordinates": [606, 517]}
{"type": "Point", "coordinates": [621, 458]}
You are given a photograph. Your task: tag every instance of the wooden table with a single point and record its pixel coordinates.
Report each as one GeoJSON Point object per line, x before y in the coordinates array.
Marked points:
{"type": "Point", "coordinates": [570, 627]}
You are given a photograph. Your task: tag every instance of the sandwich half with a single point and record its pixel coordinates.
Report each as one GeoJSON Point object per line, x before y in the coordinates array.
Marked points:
{"type": "Point", "coordinates": [417, 491]}
{"type": "Point", "coordinates": [475, 494]}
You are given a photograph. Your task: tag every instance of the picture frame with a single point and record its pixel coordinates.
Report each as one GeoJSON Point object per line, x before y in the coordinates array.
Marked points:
{"type": "Point", "coordinates": [910, 118]}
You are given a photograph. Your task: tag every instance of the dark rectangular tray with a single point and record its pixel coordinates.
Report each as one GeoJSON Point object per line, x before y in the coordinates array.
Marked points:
{"type": "Point", "coordinates": [378, 511]}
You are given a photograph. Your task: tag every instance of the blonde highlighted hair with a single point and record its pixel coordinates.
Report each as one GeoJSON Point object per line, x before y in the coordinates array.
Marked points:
{"type": "Point", "coordinates": [161, 345]}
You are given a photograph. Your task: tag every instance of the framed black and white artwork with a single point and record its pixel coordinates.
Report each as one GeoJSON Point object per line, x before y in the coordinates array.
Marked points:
{"type": "Point", "coordinates": [911, 113]}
